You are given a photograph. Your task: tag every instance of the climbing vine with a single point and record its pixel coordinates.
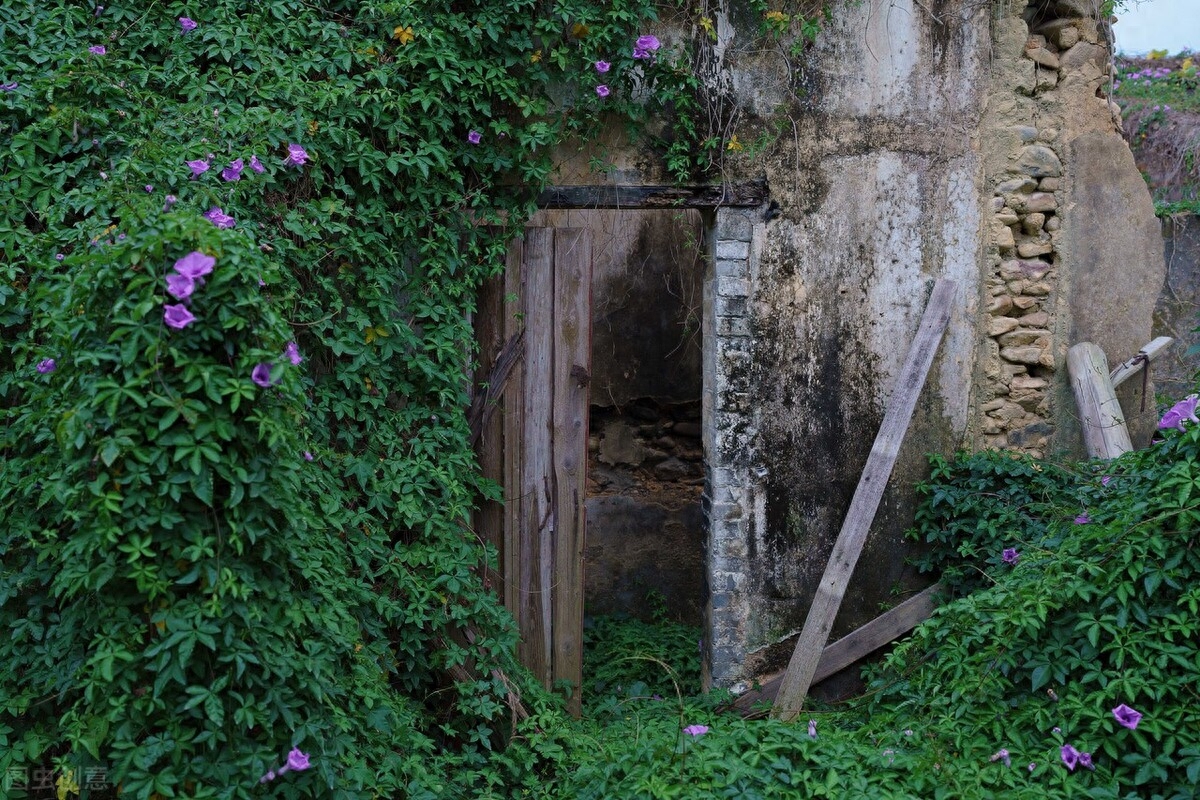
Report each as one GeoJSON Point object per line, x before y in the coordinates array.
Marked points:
{"type": "Point", "coordinates": [241, 245]}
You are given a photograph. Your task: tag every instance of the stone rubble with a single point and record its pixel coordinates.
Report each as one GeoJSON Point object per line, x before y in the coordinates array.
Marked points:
{"type": "Point", "coordinates": [1021, 291]}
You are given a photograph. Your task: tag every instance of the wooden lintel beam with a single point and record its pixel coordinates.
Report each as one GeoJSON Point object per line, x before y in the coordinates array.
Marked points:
{"type": "Point", "coordinates": [747, 194]}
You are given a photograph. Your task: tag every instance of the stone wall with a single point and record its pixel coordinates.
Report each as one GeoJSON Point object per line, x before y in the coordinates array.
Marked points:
{"type": "Point", "coordinates": [1070, 253]}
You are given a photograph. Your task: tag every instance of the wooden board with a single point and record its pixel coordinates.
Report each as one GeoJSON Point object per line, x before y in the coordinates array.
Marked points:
{"type": "Point", "coordinates": [569, 434]}
{"type": "Point", "coordinates": [737, 195]}
{"type": "Point", "coordinates": [1100, 414]}
{"type": "Point", "coordinates": [489, 428]}
{"type": "Point", "coordinates": [863, 505]}
{"type": "Point", "coordinates": [537, 514]}
{"type": "Point", "coordinates": [513, 433]}
{"type": "Point", "coordinates": [882, 630]}
{"type": "Point", "coordinates": [1127, 369]}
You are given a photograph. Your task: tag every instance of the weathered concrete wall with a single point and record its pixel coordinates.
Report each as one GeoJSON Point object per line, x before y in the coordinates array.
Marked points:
{"type": "Point", "coordinates": [915, 141]}
{"type": "Point", "coordinates": [878, 177]}
{"type": "Point", "coordinates": [1177, 313]}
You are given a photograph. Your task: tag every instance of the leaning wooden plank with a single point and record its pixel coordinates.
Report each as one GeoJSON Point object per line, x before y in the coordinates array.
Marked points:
{"type": "Point", "coordinates": [863, 505]}
{"type": "Point", "coordinates": [572, 366]}
{"type": "Point", "coordinates": [1100, 415]}
{"type": "Point", "coordinates": [745, 194]}
{"type": "Point", "coordinates": [884, 629]}
{"type": "Point", "coordinates": [1127, 369]}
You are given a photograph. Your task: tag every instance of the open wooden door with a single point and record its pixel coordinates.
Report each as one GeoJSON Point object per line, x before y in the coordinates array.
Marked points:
{"type": "Point", "coordinates": [534, 328]}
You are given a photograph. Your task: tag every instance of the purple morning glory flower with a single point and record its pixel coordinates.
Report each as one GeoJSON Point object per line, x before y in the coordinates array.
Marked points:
{"type": "Point", "coordinates": [1127, 716]}
{"type": "Point", "coordinates": [1184, 410]}
{"type": "Point", "coordinates": [1083, 519]}
{"type": "Point", "coordinates": [297, 760]}
{"type": "Point", "coordinates": [696, 730]}
{"type": "Point", "coordinates": [308, 456]}
{"type": "Point", "coordinates": [256, 165]}
{"type": "Point", "coordinates": [180, 286]}
{"type": "Point", "coordinates": [1085, 760]}
{"type": "Point", "coordinates": [602, 90]}
{"type": "Point", "coordinates": [9, 87]}
{"type": "Point", "coordinates": [292, 353]}
{"type": "Point", "coordinates": [474, 137]}
{"type": "Point", "coordinates": [234, 171]}
{"type": "Point", "coordinates": [1070, 757]}
{"type": "Point", "coordinates": [812, 729]}
{"type": "Point", "coordinates": [59, 256]}
{"type": "Point", "coordinates": [97, 50]}
{"type": "Point", "coordinates": [261, 374]}
{"type": "Point", "coordinates": [219, 218]}
{"type": "Point", "coordinates": [1104, 481]}
{"type": "Point", "coordinates": [270, 776]}
{"type": "Point", "coordinates": [195, 265]}
{"type": "Point", "coordinates": [169, 201]}
{"type": "Point", "coordinates": [645, 46]}
{"type": "Point", "coordinates": [149, 189]}
{"type": "Point", "coordinates": [177, 316]}
{"type": "Point", "coordinates": [1003, 756]}
{"type": "Point", "coordinates": [188, 25]}
{"type": "Point", "coordinates": [198, 167]}
{"type": "Point", "coordinates": [1010, 556]}
{"type": "Point", "coordinates": [296, 156]}
{"type": "Point", "coordinates": [46, 366]}
{"type": "Point", "coordinates": [603, 66]}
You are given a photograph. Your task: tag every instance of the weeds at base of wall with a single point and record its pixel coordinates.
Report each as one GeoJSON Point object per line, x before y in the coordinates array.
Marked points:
{"type": "Point", "coordinates": [1066, 667]}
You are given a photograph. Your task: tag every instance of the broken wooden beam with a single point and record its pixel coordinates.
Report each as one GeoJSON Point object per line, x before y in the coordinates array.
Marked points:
{"type": "Point", "coordinates": [864, 504]}
{"type": "Point", "coordinates": [729, 195]}
{"type": "Point", "coordinates": [883, 630]}
{"type": "Point", "coordinates": [1100, 415]}
{"type": "Point", "coordinates": [1127, 369]}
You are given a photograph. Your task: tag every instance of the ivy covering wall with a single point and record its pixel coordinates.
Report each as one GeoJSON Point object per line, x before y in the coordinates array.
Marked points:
{"type": "Point", "coordinates": [239, 250]}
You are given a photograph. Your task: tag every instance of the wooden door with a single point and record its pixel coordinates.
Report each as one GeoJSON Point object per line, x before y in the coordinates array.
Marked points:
{"type": "Point", "coordinates": [534, 328]}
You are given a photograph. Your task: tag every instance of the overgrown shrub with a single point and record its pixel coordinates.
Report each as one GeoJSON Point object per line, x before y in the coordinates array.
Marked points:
{"type": "Point", "coordinates": [1079, 593]}
{"type": "Point", "coordinates": [192, 598]}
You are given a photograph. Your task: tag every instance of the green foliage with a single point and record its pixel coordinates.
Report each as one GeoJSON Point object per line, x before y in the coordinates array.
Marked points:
{"type": "Point", "coordinates": [979, 702]}
{"type": "Point", "coordinates": [975, 506]}
{"type": "Point", "coordinates": [189, 596]}
{"type": "Point", "coordinates": [1099, 610]}
{"type": "Point", "coordinates": [631, 660]}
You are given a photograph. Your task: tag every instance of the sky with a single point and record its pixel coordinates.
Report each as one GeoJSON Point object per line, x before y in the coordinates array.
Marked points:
{"type": "Point", "coordinates": [1147, 25]}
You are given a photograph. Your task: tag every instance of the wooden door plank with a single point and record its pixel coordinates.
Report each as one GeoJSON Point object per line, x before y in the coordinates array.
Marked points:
{"type": "Point", "coordinates": [537, 513]}
{"type": "Point", "coordinates": [513, 433]}
{"type": "Point", "coordinates": [1100, 415]}
{"type": "Point", "coordinates": [489, 445]}
{"type": "Point", "coordinates": [572, 368]}
{"type": "Point", "coordinates": [884, 629]}
{"type": "Point", "coordinates": [865, 503]}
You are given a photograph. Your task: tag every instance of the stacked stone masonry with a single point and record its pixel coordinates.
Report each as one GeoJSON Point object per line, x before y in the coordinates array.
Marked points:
{"type": "Point", "coordinates": [729, 494]}
{"type": "Point", "coordinates": [1022, 286]}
